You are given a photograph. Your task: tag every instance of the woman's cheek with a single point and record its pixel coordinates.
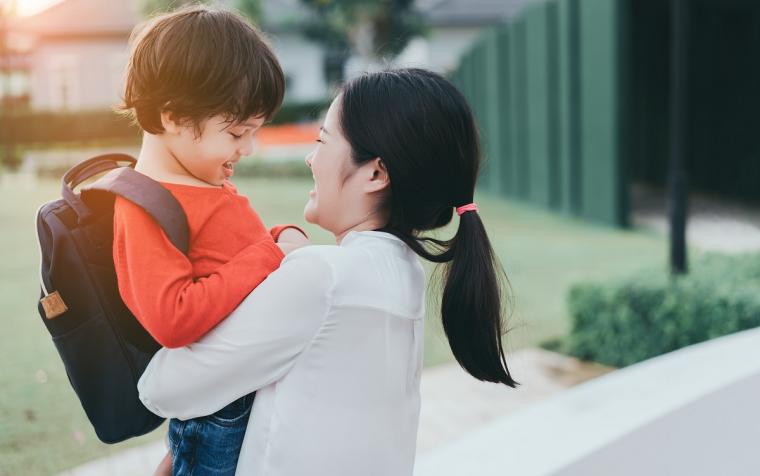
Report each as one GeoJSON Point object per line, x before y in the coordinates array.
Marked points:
{"type": "Point", "coordinates": [310, 212]}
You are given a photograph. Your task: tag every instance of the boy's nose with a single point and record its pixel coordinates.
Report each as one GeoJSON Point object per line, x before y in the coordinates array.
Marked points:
{"type": "Point", "coordinates": [246, 148]}
{"type": "Point", "coordinates": [308, 159]}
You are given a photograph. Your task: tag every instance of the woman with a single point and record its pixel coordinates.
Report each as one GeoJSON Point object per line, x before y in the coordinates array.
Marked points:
{"type": "Point", "coordinates": [332, 341]}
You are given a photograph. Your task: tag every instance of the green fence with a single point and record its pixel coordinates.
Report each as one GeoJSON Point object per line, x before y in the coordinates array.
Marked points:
{"type": "Point", "coordinates": [573, 101]}
{"type": "Point", "coordinates": [546, 89]}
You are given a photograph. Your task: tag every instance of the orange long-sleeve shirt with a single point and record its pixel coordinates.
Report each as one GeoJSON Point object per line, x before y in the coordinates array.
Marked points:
{"type": "Point", "coordinates": [179, 298]}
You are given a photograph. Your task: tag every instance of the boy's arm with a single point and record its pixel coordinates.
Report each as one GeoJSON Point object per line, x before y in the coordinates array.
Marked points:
{"type": "Point", "coordinates": [255, 346]}
{"type": "Point", "coordinates": [156, 281]}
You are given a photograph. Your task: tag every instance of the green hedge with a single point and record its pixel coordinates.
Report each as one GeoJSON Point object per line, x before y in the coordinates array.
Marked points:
{"type": "Point", "coordinates": [298, 112]}
{"type": "Point", "coordinates": [253, 167]}
{"type": "Point", "coordinates": [649, 314]}
{"type": "Point", "coordinates": [248, 167]}
{"type": "Point", "coordinates": [41, 128]}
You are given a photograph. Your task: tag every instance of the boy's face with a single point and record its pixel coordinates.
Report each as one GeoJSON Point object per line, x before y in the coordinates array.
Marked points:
{"type": "Point", "coordinates": [211, 157]}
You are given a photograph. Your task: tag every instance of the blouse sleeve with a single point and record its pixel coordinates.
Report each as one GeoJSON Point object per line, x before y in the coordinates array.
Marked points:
{"type": "Point", "coordinates": [255, 346]}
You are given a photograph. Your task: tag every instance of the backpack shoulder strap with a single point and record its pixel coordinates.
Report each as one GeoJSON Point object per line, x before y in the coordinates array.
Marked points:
{"type": "Point", "coordinates": [152, 197]}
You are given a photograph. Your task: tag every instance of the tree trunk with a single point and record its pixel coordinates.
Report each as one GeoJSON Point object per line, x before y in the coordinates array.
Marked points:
{"type": "Point", "coordinates": [679, 135]}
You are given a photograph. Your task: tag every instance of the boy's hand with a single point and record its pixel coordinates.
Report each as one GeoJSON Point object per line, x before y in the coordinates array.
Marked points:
{"type": "Point", "coordinates": [165, 466]}
{"type": "Point", "coordinates": [293, 236]}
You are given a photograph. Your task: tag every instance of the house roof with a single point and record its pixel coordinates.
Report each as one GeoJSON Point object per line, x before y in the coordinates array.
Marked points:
{"type": "Point", "coordinates": [82, 18]}
{"type": "Point", "coordinates": [469, 12]}
{"type": "Point", "coordinates": [117, 18]}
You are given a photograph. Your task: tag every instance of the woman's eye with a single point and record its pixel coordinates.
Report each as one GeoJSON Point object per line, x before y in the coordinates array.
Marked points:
{"type": "Point", "coordinates": [236, 136]}
{"type": "Point", "coordinates": [320, 141]}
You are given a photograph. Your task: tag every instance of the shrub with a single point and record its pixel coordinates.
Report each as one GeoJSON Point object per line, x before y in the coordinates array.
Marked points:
{"type": "Point", "coordinates": [42, 128]}
{"type": "Point", "coordinates": [252, 167]}
{"type": "Point", "coordinates": [649, 314]}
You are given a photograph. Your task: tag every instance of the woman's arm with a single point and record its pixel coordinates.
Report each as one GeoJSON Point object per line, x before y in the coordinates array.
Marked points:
{"type": "Point", "coordinates": [255, 346]}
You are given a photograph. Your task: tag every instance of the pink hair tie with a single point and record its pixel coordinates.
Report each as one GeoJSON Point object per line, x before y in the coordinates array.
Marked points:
{"type": "Point", "coordinates": [470, 207]}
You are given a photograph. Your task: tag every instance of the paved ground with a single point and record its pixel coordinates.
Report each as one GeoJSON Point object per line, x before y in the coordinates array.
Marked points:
{"type": "Point", "coordinates": [714, 224]}
{"type": "Point", "coordinates": [453, 403]}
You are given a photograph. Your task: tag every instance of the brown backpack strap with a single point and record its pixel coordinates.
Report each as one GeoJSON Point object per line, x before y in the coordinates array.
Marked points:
{"type": "Point", "coordinates": [125, 182]}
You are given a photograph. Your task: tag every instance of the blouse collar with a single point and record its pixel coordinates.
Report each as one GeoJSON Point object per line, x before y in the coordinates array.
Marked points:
{"type": "Point", "coordinates": [354, 238]}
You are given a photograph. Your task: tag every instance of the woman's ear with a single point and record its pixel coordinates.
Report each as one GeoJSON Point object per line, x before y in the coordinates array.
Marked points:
{"type": "Point", "coordinates": [168, 123]}
{"type": "Point", "coordinates": [378, 176]}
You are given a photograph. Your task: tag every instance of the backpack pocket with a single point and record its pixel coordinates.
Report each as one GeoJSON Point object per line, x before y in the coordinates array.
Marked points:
{"type": "Point", "coordinates": [104, 380]}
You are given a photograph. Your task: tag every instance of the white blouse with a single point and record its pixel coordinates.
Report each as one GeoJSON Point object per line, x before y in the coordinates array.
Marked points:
{"type": "Point", "coordinates": [332, 341]}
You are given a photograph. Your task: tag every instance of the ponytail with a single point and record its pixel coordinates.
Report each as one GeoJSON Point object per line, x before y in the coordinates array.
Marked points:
{"type": "Point", "coordinates": [471, 305]}
{"type": "Point", "coordinates": [473, 299]}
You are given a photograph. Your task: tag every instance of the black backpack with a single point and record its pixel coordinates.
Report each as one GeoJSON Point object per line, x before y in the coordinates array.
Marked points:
{"type": "Point", "coordinates": [103, 346]}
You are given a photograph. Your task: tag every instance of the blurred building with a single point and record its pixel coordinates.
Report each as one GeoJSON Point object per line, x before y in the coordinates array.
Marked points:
{"type": "Point", "coordinates": [14, 81]}
{"type": "Point", "coordinates": [77, 50]}
{"type": "Point", "coordinates": [302, 60]}
{"type": "Point", "coordinates": [74, 53]}
{"type": "Point", "coordinates": [453, 27]}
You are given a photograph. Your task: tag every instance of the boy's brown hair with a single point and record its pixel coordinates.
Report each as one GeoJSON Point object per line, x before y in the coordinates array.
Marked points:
{"type": "Point", "coordinates": [198, 62]}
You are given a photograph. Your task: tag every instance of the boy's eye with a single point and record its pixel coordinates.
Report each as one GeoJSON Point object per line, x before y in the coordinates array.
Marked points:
{"type": "Point", "coordinates": [320, 141]}
{"type": "Point", "coordinates": [236, 136]}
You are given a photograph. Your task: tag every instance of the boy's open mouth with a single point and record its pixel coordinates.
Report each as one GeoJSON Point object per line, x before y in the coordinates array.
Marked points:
{"type": "Point", "coordinates": [228, 169]}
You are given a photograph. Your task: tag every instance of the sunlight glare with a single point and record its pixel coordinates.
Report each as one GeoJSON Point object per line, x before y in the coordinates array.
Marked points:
{"type": "Point", "coordinates": [30, 7]}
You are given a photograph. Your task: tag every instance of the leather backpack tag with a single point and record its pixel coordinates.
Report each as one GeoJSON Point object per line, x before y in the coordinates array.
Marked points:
{"type": "Point", "coordinates": [53, 305]}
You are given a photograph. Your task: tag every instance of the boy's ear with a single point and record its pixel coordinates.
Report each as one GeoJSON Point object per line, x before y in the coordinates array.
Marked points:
{"type": "Point", "coordinates": [168, 123]}
{"type": "Point", "coordinates": [378, 178]}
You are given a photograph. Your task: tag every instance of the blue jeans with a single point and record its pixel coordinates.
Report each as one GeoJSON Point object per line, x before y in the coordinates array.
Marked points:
{"type": "Point", "coordinates": [210, 445]}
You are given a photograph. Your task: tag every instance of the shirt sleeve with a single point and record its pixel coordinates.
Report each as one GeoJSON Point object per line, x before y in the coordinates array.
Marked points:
{"type": "Point", "coordinates": [254, 347]}
{"type": "Point", "coordinates": [156, 281]}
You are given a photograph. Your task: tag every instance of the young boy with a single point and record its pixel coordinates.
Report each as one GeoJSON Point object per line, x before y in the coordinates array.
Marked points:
{"type": "Point", "coordinates": [200, 82]}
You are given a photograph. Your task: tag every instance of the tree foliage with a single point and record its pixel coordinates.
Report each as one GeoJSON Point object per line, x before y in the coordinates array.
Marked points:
{"type": "Point", "coordinates": [149, 7]}
{"type": "Point", "coordinates": [249, 8]}
{"type": "Point", "coordinates": [378, 28]}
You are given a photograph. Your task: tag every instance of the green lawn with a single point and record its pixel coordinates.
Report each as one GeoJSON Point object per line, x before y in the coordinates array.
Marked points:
{"type": "Point", "coordinates": [42, 428]}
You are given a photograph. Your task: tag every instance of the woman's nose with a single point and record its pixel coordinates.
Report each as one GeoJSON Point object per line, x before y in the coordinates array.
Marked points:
{"type": "Point", "coordinates": [308, 159]}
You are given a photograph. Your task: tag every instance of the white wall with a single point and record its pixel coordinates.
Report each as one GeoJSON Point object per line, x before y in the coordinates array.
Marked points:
{"type": "Point", "coordinates": [693, 412]}
{"type": "Point", "coordinates": [91, 72]}
{"type": "Point", "coordinates": [302, 61]}
{"type": "Point", "coordinates": [76, 75]}
{"type": "Point", "coordinates": [440, 50]}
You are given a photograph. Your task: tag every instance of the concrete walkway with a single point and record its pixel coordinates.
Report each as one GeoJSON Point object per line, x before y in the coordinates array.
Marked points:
{"type": "Point", "coordinates": [453, 404]}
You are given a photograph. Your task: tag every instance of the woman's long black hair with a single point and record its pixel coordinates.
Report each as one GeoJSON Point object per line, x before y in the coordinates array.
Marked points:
{"type": "Point", "coordinates": [421, 127]}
